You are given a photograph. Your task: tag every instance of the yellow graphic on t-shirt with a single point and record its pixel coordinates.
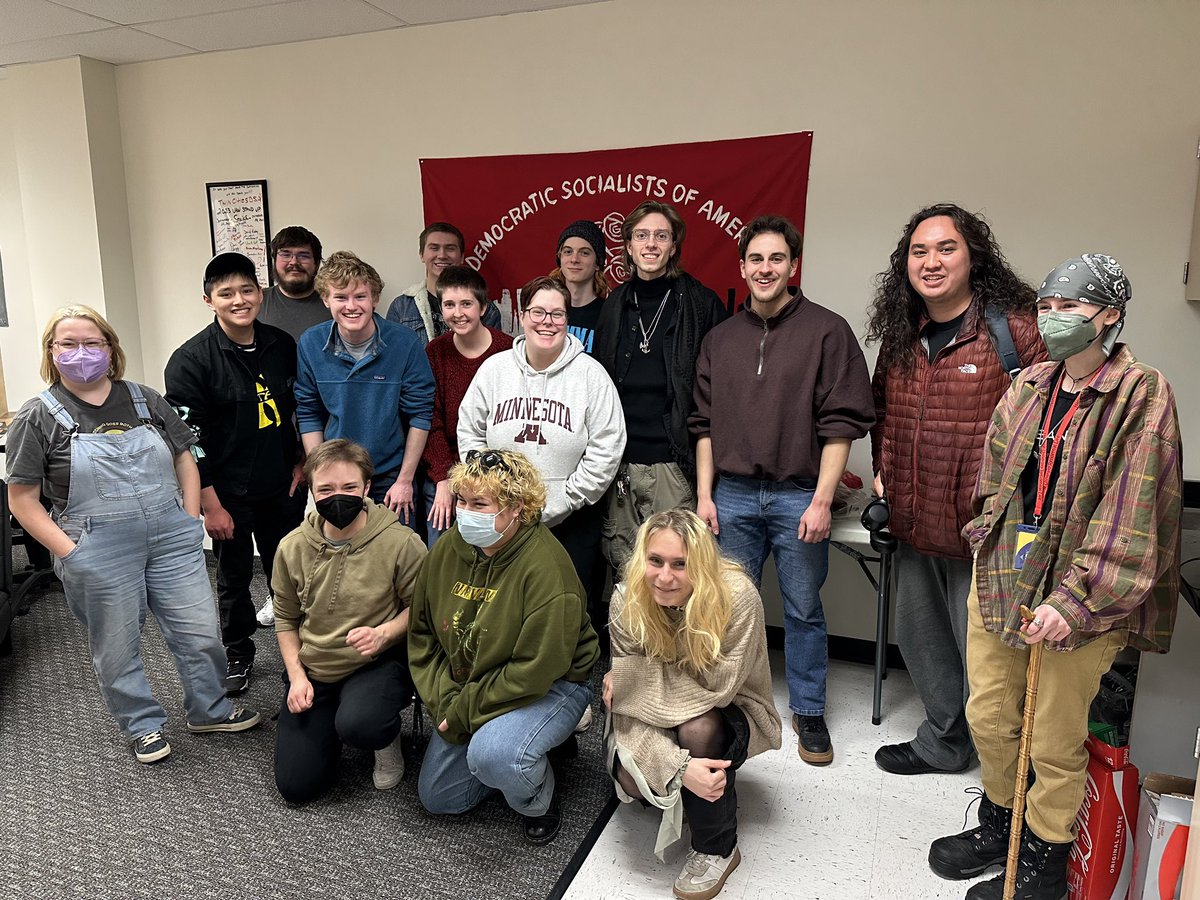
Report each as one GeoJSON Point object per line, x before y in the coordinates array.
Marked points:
{"type": "Point", "coordinates": [268, 412]}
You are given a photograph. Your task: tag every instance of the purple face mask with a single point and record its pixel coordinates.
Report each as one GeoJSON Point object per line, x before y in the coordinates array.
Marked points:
{"type": "Point", "coordinates": [82, 365]}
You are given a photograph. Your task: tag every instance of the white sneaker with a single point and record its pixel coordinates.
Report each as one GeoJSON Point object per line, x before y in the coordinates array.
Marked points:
{"type": "Point", "coordinates": [704, 874]}
{"type": "Point", "coordinates": [266, 613]}
{"type": "Point", "coordinates": [389, 766]}
{"type": "Point", "coordinates": [585, 721]}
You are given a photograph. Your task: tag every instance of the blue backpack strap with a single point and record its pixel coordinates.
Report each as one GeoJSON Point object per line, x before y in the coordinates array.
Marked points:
{"type": "Point", "coordinates": [61, 416]}
{"type": "Point", "coordinates": [1002, 340]}
{"type": "Point", "coordinates": [139, 402]}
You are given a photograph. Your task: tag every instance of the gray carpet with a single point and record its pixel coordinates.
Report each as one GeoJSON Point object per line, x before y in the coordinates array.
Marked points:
{"type": "Point", "coordinates": [79, 817]}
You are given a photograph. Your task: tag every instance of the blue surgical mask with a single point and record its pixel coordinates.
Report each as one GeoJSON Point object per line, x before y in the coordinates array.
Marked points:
{"type": "Point", "coordinates": [479, 529]}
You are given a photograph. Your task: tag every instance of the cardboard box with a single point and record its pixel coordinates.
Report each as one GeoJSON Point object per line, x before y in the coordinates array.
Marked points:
{"type": "Point", "coordinates": [1100, 866]}
{"type": "Point", "coordinates": [1162, 834]}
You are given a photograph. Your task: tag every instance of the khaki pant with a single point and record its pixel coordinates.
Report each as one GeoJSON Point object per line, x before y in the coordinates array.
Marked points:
{"type": "Point", "coordinates": [637, 493]}
{"type": "Point", "coordinates": [1066, 687]}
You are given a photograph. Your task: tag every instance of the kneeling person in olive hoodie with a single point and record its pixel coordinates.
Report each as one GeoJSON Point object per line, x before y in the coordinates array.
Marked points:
{"type": "Point", "coordinates": [342, 582]}
{"type": "Point", "coordinates": [501, 646]}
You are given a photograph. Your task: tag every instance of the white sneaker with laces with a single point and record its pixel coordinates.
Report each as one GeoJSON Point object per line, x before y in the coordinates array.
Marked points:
{"type": "Point", "coordinates": [389, 766]}
{"type": "Point", "coordinates": [266, 613]}
{"type": "Point", "coordinates": [704, 874]}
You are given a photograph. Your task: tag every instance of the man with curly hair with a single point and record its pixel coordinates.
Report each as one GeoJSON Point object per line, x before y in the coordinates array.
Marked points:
{"type": "Point", "coordinates": [941, 315]}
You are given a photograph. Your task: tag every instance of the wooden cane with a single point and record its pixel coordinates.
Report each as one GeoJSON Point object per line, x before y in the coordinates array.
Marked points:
{"type": "Point", "coordinates": [1018, 816]}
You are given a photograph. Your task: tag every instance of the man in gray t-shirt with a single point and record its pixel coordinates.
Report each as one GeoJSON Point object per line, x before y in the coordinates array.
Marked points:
{"type": "Point", "coordinates": [292, 302]}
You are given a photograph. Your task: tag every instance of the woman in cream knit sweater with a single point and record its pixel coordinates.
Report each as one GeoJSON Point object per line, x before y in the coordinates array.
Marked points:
{"type": "Point", "coordinates": [689, 691]}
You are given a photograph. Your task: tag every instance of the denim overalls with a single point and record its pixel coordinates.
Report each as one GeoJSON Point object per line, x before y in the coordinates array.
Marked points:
{"type": "Point", "coordinates": [137, 549]}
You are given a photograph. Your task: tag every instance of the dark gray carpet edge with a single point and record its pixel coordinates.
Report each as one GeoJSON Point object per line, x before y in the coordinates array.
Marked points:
{"type": "Point", "coordinates": [79, 817]}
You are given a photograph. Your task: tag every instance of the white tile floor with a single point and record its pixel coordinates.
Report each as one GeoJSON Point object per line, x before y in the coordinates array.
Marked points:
{"type": "Point", "coordinates": [848, 831]}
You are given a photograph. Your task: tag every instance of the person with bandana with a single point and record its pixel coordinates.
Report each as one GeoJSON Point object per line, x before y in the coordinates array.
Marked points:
{"type": "Point", "coordinates": [1078, 518]}
{"type": "Point", "coordinates": [116, 464]}
{"type": "Point", "coordinates": [342, 583]}
{"type": "Point", "coordinates": [501, 647]}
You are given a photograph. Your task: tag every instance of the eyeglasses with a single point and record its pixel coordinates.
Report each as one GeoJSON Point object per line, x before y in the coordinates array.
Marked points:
{"type": "Point", "coordinates": [487, 460]}
{"type": "Point", "coordinates": [72, 345]}
{"type": "Point", "coordinates": [660, 237]}
{"type": "Point", "coordinates": [302, 256]}
{"type": "Point", "coordinates": [539, 314]}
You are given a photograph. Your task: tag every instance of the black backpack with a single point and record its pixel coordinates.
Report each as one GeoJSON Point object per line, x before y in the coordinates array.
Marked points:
{"type": "Point", "coordinates": [1002, 340]}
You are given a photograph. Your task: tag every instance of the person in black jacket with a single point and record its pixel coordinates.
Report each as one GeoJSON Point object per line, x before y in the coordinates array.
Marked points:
{"type": "Point", "coordinates": [648, 337]}
{"type": "Point", "coordinates": [232, 384]}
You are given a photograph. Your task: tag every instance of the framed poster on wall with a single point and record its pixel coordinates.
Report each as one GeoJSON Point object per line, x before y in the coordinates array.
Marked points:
{"type": "Point", "coordinates": [237, 220]}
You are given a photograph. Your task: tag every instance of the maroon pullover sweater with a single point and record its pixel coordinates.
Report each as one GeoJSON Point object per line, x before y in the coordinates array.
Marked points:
{"type": "Point", "coordinates": [770, 393]}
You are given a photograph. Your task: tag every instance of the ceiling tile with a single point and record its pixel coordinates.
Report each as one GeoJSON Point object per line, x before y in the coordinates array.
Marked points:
{"type": "Point", "coordinates": [134, 12]}
{"type": "Point", "coordinates": [281, 23]}
{"type": "Point", "coordinates": [28, 20]}
{"type": "Point", "coordinates": [113, 45]}
{"type": "Point", "coordinates": [417, 12]}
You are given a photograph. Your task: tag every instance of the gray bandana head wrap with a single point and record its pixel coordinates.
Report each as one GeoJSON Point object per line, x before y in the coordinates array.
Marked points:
{"type": "Point", "coordinates": [1093, 278]}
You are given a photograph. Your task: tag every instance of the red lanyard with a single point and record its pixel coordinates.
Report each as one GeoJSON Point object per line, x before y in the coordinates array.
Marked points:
{"type": "Point", "coordinates": [1046, 460]}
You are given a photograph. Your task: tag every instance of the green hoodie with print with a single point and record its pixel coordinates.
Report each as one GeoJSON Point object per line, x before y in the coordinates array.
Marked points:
{"type": "Point", "coordinates": [488, 635]}
{"type": "Point", "coordinates": [323, 590]}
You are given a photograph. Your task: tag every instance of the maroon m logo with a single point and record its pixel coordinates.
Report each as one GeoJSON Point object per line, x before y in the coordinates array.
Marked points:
{"type": "Point", "coordinates": [531, 434]}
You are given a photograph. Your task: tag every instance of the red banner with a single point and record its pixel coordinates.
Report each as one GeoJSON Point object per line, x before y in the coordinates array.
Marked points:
{"type": "Point", "coordinates": [511, 209]}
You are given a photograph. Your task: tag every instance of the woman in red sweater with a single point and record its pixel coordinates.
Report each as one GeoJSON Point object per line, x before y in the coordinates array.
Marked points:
{"type": "Point", "coordinates": [455, 357]}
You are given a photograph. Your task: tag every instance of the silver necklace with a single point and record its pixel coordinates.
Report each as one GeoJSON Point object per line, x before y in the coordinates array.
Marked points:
{"type": "Point", "coordinates": [644, 346]}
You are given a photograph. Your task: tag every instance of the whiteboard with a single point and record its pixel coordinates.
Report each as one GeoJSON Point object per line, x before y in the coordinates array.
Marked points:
{"type": "Point", "coordinates": [237, 220]}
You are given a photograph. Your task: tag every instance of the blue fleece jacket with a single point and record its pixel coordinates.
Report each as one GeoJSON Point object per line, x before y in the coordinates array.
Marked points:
{"type": "Point", "coordinates": [373, 402]}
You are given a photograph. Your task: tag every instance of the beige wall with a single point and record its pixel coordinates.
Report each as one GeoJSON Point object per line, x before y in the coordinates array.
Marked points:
{"type": "Point", "coordinates": [1073, 125]}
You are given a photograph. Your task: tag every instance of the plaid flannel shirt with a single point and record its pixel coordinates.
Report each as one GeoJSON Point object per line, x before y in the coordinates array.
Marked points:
{"type": "Point", "coordinates": [1107, 556]}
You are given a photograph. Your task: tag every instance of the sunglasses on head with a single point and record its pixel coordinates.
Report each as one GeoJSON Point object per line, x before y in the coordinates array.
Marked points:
{"type": "Point", "coordinates": [488, 459]}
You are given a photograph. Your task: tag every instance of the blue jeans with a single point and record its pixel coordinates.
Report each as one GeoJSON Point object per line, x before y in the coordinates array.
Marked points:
{"type": "Point", "coordinates": [123, 566]}
{"type": "Point", "coordinates": [761, 517]}
{"type": "Point", "coordinates": [507, 754]}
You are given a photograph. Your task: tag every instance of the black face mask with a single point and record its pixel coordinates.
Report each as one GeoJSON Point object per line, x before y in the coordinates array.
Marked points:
{"type": "Point", "coordinates": [339, 510]}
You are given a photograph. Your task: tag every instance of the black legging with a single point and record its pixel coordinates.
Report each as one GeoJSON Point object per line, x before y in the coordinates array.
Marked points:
{"type": "Point", "coordinates": [718, 734]}
{"type": "Point", "coordinates": [362, 710]}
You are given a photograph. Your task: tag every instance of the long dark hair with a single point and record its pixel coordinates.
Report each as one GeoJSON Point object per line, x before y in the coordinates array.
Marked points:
{"type": "Point", "coordinates": [897, 309]}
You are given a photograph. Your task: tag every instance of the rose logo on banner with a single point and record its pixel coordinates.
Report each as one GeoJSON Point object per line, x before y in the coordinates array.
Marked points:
{"type": "Point", "coordinates": [616, 271]}
{"type": "Point", "coordinates": [511, 209]}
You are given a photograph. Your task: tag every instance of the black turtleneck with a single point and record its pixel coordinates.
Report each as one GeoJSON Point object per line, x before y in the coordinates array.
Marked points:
{"type": "Point", "coordinates": [644, 392]}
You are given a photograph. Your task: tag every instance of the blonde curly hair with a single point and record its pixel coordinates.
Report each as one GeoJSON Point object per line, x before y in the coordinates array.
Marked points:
{"type": "Point", "coordinates": [343, 269]}
{"type": "Point", "coordinates": [506, 476]}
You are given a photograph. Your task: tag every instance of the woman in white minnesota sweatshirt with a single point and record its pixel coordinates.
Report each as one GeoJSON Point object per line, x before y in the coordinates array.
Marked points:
{"type": "Point", "coordinates": [548, 399]}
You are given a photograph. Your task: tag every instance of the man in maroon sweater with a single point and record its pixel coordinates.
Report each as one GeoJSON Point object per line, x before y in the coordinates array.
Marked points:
{"type": "Point", "coordinates": [782, 390]}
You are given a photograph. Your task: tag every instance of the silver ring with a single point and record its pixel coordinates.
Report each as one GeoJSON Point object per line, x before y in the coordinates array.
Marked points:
{"type": "Point", "coordinates": [1037, 623]}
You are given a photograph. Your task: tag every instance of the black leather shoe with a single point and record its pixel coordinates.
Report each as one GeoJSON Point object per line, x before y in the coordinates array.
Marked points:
{"type": "Point", "coordinates": [544, 828]}
{"type": "Point", "coordinates": [901, 759]}
{"type": "Point", "coordinates": [814, 745]}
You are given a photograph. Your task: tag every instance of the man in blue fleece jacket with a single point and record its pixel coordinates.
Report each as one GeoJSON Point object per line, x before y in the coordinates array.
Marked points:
{"type": "Point", "coordinates": [365, 379]}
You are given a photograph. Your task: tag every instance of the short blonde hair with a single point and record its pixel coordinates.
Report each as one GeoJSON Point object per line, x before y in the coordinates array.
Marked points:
{"type": "Point", "coordinates": [343, 269]}
{"type": "Point", "coordinates": [512, 481]}
{"type": "Point", "coordinates": [336, 451]}
{"type": "Point", "coordinates": [694, 643]}
{"type": "Point", "coordinates": [116, 364]}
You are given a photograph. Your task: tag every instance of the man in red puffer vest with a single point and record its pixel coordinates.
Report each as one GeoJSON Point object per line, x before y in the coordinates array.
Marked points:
{"type": "Point", "coordinates": [946, 313]}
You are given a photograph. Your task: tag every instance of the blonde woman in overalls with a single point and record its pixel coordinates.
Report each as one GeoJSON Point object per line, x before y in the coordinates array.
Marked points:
{"type": "Point", "coordinates": [114, 461]}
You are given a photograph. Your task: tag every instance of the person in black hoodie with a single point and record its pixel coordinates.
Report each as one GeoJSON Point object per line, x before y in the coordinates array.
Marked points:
{"type": "Point", "coordinates": [232, 385]}
{"type": "Point", "coordinates": [648, 337]}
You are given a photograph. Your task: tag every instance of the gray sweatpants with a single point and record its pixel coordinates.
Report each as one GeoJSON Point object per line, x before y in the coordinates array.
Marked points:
{"type": "Point", "coordinates": [931, 628]}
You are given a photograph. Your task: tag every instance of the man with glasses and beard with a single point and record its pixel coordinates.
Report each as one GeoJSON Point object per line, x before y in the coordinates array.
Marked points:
{"type": "Point", "coordinates": [292, 302]}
